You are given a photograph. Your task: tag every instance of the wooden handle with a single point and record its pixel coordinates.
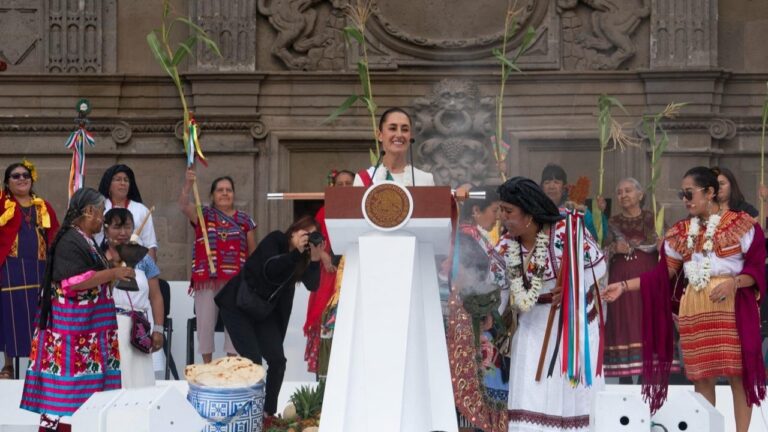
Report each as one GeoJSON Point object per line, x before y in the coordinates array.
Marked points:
{"type": "Point", "coordinates": [203, 227]}
{"type": "Point", "coordinates": [144, 222]}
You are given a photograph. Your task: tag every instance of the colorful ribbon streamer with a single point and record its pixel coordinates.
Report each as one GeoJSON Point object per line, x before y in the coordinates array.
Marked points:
{"type": "Point", "coordinates": [76, 143]}
{"type": "Point", "coordinates": [576, 362]}
{"type": "Point", "coordinates": [192, 146]}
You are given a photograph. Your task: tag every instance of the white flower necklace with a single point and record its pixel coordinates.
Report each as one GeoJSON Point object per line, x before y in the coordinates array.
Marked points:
{"type": "Point", "coordinates": [698, 272]}
{"type": "Point", "coordinates": [521, 297]}
{"type": "Point", "coordinates": [381, 175]}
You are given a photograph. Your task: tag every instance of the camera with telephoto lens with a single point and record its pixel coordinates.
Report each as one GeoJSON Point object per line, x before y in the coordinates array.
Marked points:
{"type": "Point", "coordinates": [316, 238]}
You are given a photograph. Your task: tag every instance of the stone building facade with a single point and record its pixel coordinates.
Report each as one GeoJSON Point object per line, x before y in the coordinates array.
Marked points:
{"type": "Point", "coordinates": [285, 66]}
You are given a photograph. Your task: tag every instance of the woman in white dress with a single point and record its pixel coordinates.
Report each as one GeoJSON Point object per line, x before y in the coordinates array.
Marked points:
{"type": "Point", "coordinates": [395, 137]}
{"type": "Point", "coordinates": [534, 240]}
{"type": "Point", "coordinates": [136, 367]}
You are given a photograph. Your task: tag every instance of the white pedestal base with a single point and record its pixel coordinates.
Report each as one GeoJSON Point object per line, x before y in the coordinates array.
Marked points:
{"type": "Point", "coordinates": [389, 364]}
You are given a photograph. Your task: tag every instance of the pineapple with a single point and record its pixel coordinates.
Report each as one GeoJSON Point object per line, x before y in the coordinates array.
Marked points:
{"type": "Point", "coordinates": [308, 401]}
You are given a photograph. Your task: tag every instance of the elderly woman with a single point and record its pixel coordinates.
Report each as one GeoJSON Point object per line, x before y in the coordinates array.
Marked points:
{"type": "Point", "coordinates": [394, 134]}
{"type": "Point", "coordinates": [136, 366]}
{"type": "Point", "coordinates": [632, 250]}
{"type": "Point", "coordinates": [231, 237]}
{"type": "Point", "coordinates": [722, 255]}
{"type": "Point", "coordinates": [119, 185]}
{"type": "Point", "coordinates": [75, 349]}
{"type": "Point", "coordinates": [27, 226]}
{"type": "Point", "coordinates": [536, 233]}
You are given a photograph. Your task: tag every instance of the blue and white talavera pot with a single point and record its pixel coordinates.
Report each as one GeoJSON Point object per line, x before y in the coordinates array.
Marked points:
{"type": "Point", "coordinates": [229, 409]}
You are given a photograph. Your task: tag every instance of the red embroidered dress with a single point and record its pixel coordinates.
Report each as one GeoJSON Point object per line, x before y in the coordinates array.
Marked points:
{"type": "Point", "coordinates": [227, 236]}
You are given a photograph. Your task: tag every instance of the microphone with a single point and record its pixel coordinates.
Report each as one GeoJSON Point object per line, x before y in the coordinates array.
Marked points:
{"type": "Point", "coordinates": [413, 170]}
{"type": "Point", "coordinates": [378, 164]}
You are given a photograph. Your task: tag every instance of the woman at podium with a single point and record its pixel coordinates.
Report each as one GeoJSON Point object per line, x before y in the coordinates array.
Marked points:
{"type": "Point", "coordinates": [395, 137]}
{"type": "Point", "coordinates": [533, 250]}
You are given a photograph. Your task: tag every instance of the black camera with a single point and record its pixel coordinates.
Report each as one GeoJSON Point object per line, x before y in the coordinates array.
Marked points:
{"type": "Point", "coordinates": [316, 238]}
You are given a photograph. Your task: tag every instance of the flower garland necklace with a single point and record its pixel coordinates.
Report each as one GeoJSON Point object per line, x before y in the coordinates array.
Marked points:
{"type": "Point", "coordinates": [382, 174]}
{"type": "Point", "coordinates": [521, 297]}
{"type": "Point", "coordinates": [698, 273]}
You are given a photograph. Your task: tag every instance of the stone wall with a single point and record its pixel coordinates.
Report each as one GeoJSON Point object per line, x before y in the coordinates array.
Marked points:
{"type": "Point", "coordinates": [286, 66]}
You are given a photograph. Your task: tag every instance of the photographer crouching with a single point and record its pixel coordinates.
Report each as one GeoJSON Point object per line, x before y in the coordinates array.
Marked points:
{"type": "Point", "coordinates": [256, 304]}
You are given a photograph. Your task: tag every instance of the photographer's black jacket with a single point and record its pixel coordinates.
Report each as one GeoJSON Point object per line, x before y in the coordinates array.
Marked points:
{"type": "Point", "coordinates": [263, 275]}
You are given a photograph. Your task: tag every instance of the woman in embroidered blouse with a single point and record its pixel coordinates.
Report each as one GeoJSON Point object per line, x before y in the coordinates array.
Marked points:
{"type": "Point", "coordinates": [135, 366]}
{"type": "Point", "coordinates": [536, 234]}
{"type": "Point", "coordinates": [118, 185]}
{"type": "Point", "coordinates": [27, 226]}
{"type": "Point", "coordinates": [722, 255]}
{"type": "Point", "coordinates": [632, 250]}
{"type": "Point", "coordinates": [75, 349]}
{"type": "Point", "coordinates": [232, 237]}
{"type": "Point", "coordinates": [395, 137]}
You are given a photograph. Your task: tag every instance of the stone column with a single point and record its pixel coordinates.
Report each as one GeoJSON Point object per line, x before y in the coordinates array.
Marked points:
{"type": "Point", "coordinates": [684, 34]}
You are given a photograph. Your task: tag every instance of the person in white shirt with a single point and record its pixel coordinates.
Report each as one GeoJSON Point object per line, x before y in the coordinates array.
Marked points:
{"type": "Point", "coordinates": [118, 185]}
{"type": "Point", "coordinates": [395, 127]}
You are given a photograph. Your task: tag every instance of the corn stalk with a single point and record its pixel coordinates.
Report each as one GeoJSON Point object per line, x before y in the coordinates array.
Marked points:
{"type": "Point", "coordinates": [511, 26]}
{"type": "Point", "coordinates": [609, 130]}
{"type": "Point", "coordinates": [359, 12]}
{"type": "Point", "coordinates": [658, 141]}
{"type": "Point", "coordinates": [169, 60]}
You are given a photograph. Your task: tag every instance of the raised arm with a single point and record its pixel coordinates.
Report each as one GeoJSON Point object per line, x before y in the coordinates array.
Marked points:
{"type": "Point", "coordinates": [187, 207]}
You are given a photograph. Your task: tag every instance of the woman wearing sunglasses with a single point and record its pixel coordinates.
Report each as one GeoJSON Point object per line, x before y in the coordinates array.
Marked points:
{"type": "Point", "coordinates": [27, 226]}
{"type": "Point", "coordinates": [721, 253]}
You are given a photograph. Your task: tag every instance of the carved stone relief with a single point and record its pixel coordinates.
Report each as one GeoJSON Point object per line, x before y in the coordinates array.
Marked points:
{"type": "Point", "coordinates": [309, 33]}
{"type": "Point", "coordinates": [404, 32]}
{"type": "Point", "coordinates": [600, 34]}
{"type": "Point", "coordinates": [232, 25]}
{"type": "Point", "coordinates": [20, 33]}
{"type": "Point", "coordinates": [452, 129]}
{"type": "Point", "coordinates": [684, 33]}
{"type": "Point", "coordinates": [75, 33]}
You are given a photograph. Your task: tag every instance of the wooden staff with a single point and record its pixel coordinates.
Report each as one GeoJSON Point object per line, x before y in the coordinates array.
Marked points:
{"type": "Point", "coordinates": [203, 227]}
{"type": "Point", "coordinates": [144, 222]}
{"type": "Point", "coordinates": [550, 323]}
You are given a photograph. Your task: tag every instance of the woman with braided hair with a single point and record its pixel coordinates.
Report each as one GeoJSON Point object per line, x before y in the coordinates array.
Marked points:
{"type": "Point", "coordinates": [28, 224]}
{"type": "Point", "coordinates": [533, 252]}
{"type": "Point", "coordinates": [74, 347]}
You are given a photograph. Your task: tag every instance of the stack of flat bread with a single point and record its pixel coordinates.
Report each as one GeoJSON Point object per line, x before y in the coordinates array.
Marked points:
{"type": "Point", "coordinates": [226, 372]}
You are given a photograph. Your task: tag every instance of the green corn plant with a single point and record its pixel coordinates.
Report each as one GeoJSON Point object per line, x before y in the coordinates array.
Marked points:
{"type": "Point", "coordinates": [170, 59]}
{"type": "Point", "coordinates": [609, 131]}
{"type": "Point", "coordinates": [658, 141]}
{"type": "Point", "coordinates": [508, 65]}
{"type": "Point", "coordinates": [359, 11]}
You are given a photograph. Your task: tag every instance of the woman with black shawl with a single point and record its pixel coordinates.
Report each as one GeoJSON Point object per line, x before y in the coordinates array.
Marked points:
{"type": "Point", "coordinates": [74, 348]}
{"type": "Point", "coordinates": [533, 251]}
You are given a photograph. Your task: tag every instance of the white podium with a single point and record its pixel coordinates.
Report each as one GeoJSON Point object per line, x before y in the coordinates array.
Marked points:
{"type": "Point", "coordinates": [389, 362]}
